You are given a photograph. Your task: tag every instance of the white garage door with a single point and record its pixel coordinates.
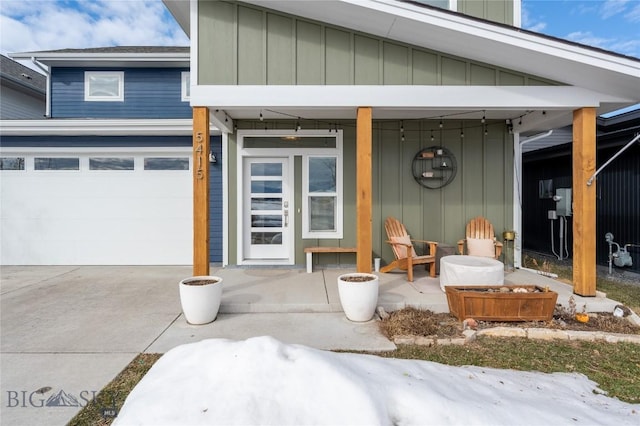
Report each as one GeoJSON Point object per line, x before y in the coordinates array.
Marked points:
{"type": "Point", "coordinates": [112, 207]}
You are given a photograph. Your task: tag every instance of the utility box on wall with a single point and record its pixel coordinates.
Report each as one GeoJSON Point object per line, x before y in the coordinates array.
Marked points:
{"type": "Point", "coordinates": [563, 201]}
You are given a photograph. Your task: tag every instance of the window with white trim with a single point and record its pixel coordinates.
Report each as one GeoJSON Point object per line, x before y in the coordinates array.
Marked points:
{"type": "Point", "coordinates": [322, 197]}
{"type": "Point", "coordinates": [105, 86]}
{"type": "Point", "coordinates": [186, 86]}
{"type": "Point", "coordinates": [444, 4]}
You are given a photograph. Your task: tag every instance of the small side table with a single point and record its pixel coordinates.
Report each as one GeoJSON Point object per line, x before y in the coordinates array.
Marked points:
{"type": "Point", "coordinates": [507, 250]}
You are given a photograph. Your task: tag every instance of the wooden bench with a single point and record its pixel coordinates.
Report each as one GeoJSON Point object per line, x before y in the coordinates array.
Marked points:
{"type": "Point", "coordinates": [310, 250]}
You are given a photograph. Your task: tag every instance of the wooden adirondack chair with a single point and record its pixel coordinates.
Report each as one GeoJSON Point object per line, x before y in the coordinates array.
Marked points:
{"type": "Point", "coordinates": [401, 244]}
{"type": "Point", "coordinates": [481, 229]}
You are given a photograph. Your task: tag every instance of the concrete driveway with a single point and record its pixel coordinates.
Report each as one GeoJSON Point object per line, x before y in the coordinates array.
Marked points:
{"type": "Point", "coordinates": [72, 329]}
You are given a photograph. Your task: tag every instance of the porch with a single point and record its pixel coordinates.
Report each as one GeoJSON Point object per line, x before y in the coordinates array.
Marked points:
{"type": "Point", "coordinates": [293, 290]}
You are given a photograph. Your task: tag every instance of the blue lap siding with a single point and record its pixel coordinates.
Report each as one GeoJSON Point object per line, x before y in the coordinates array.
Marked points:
{"type": "Point", "coordinates": [148, 93]}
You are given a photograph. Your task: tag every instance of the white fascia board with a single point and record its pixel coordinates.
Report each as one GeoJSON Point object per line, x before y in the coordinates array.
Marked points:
{"type": "Point", "coordinates": [84, 150]}
{"type": "Point", "coordinates": [462, 27]}
{"type": "Point", "coordinates": [162, 60]}
{"type": "Point", "coordinates": [96, 56]}
{"type": "Point", "coordinates": [400, 97]}
{"type": "Point", "coordinates": [175, 127]}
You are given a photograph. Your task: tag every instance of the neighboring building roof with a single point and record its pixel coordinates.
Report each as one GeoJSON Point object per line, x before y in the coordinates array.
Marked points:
{"type": "Point", "coordinates": [20, 75]}
{"type": "Point", "coordinates": [627, 123]}
{"type": "Point", "coordinates": [116, 56]}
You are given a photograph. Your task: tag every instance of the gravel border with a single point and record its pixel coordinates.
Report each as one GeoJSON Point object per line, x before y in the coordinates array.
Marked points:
{"type": "Point", "coordinates": [528, 333]}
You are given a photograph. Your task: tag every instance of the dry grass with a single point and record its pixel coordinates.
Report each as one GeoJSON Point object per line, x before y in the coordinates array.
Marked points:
{"type": "Point", "coordinates": [416, 322]}
{"type": "Point", "coordinates": [102, 410]}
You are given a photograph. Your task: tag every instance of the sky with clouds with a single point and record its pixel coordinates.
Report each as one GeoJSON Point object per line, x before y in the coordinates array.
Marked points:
{"type": "Point", "coordinates": [610, 24]}
{"type": "Point", "coordinates": [32, 25]}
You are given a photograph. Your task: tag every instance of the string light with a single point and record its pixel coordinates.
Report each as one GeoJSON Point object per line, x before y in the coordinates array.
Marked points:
{"type": "Point", "coordinates": [510, 122]}
{"type": "Point", "coordinates": [261, 117]}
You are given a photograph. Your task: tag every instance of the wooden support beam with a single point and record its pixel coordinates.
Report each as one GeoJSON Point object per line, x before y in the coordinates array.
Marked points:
{"type": "Point", "coordinates": [201, 147]}
{"type": "Point", "coordinates": [584, 202]}
{"type": "Point", "coordinates": [364, 190]}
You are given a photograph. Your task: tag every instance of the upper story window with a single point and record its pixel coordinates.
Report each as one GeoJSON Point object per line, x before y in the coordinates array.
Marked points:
{"type": "Point", "coordinates": [186, 86]}
{"type": "Point", "coordinates": [444, 4]}
{"type": "Point", "coordinates": [104, 86]}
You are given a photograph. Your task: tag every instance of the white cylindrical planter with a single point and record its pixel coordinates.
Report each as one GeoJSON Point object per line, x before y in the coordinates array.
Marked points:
{"type": "Point", "coordinates": [359, 299]}
{"type": "Point", "coordinates": [200, 302]}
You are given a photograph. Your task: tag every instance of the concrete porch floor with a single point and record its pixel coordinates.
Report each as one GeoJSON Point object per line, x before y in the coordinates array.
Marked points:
{"type": "Point", "coordinates": [294, 290]}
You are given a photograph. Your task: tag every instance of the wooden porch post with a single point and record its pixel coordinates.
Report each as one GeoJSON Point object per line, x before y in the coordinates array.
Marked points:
{"type": "Point", "coordinates": [201, 148]}
{"type": "Point", "coordinates": [584, 202]}
{"type": "Point", "coordinates": [364, 190]}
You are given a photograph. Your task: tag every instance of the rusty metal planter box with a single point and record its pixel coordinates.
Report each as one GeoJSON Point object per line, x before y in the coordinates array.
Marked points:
{"type": "Point", "coordinates": [480, 303]}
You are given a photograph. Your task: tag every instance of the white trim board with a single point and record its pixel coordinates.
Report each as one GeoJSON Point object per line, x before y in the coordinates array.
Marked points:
{"type": "Point", "coordinates": [102, 127]}
{"type": "Point", "coordinates": [405, 97]}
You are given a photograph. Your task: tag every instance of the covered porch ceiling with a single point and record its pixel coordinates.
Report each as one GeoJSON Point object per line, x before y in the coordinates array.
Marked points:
{"type": "Point", "coordinates": [531, 109]}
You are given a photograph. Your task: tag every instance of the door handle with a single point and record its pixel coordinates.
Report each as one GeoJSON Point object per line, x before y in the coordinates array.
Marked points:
{"type": "Point", "coordinates": [286, 218]}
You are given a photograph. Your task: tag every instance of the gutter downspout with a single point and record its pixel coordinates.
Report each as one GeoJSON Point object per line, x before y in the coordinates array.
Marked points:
{"type": "Point", "coordinates": [45, 70]}
{"type": "Point", "coordinates": [593, 177]}
{"type": "Point", "coordinates": [517, 189]}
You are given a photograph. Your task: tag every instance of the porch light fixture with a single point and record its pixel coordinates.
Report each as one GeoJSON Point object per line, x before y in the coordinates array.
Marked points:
{"type": "Point", "coordinates": [212, 157]}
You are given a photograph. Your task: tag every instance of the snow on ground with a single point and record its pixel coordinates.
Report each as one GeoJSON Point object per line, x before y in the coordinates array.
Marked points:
{"type": "Point", "coordinates": [262, 381]}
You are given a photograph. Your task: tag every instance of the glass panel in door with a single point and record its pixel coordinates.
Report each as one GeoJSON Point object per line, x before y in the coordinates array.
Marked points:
{"type": "Point", "coordinates": [266, 221]}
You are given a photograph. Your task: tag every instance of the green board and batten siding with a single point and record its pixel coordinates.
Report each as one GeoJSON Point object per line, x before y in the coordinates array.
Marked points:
{"type": "Point", "coordinates": [241, 44]}
{"type": "Point", "coordinates": [250, 45]}
{"type": "Point", "coordinates": [493, 10]}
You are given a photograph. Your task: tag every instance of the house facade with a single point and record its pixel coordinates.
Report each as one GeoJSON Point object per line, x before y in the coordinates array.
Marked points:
{"type": "Point", "coordinates": [326, 108]}
{"type": "Point", "coordinates": [23, 91]}
{"type": "Point", "coordinates": [106, 177]}
{"type": "Point", "coordinates": [617, 195]}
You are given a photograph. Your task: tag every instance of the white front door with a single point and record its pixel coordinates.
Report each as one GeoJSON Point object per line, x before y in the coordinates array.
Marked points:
{"type": "Point", "coordinates": [267, 203]}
